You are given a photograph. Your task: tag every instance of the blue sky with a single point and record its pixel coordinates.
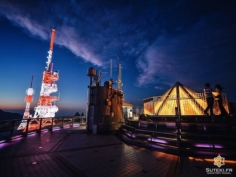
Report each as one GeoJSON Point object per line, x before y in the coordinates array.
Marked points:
{"type": "Point", "coordinates": [158, 43]}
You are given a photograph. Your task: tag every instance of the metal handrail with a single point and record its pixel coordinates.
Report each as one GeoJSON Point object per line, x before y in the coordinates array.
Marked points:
{"type": "Point", "coordinates": [185, 142]}
{"type": "Point", "coordinates": [8, 127]}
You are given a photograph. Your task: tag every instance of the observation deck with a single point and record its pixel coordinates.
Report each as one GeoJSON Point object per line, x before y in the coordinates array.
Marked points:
{"type": "Point", "coordinates": [69, 151]}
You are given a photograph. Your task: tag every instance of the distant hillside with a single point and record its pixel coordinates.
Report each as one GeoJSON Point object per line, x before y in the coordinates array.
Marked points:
{"type": "Point", "coordinates": [8, 115]}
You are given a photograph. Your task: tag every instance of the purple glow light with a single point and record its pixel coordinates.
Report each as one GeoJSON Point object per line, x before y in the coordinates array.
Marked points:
{"type": "Point", "coordinates": [2, 145]}
{"type": "Point", "coordinates": [157, 140]}
{"type": "Point", "coordinates": [208, 145]}
{"type": "Point", "coordinates": [45, 131]}
{"type": "Point", "coordinates": [128, 134]}
{"type": "Point", "coordinates": [67, 126]}
{"type": "Point", "coordinates": [76, 125]}
{"type": "Point", "coordinates": [170, 124]}
{"type": "Point", "coordinates": [56, 128]}
{"type": "Point", "coordinates": [156, 146]}
{"type": "Point", "coordinates": [2, 141]}
{"type": "Point", "coordinates": [203, 145]}
{"type": "Point", "coordinates": [205, 153]}
{"type": "Point", "coordinates": [16, 137]}
{"type": "Point", "coordinates": [218, 146]}
{"type": "Point", "coordinates": [31, 134]}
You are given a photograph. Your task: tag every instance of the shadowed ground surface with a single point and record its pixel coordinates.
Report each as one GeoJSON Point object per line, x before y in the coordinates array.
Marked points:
{"type": "Point", "coordinates": [72, 152]}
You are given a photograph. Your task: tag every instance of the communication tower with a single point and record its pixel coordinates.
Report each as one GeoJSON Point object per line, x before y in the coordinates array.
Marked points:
{"type": "Point", "coordinates": [45, 107]}
{"type": "Point", "coordinates": [28, 100]}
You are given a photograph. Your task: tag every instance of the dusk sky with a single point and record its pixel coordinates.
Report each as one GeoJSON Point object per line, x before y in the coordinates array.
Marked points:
{"type": "Point", "coordinates": [158, 43]}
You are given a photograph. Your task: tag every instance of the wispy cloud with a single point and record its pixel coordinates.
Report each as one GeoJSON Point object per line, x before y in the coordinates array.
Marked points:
{"type": "Point", "coordinates": [167, 42]}
{"type": "Point", "coordinates": [153, 66]}
{"type": "Point", "coordinates": [192, 57]}
{"type": "Point", "coordinates": [14, 15]}
{"type": "Point", "coordinates": [95, 31]}
{"type": "Point", "coordinates": [67, 35]}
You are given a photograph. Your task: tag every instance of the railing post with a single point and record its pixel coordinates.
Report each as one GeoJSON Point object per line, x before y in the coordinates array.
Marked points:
{"type": "Point", "coordinates": [27, 128]}
{"type": "Point", "coordinates": [12, 129]}
{"type": "Point", "coordinates": [62, 122]}
{"type": "Point", "coordinates": [52, 124]}
{"type": "Point", "coordinates": [72, 122]}
{"type": "Point", "coordinates": [40, 125]}
{"type": "Point", "coordinates": [178, 129]}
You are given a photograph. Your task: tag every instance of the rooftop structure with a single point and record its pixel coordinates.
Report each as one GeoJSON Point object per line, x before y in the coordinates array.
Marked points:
{"type": "Point", "coordinates": [104, 109]}
{"type": "Point", "coordinates": [127, 110]}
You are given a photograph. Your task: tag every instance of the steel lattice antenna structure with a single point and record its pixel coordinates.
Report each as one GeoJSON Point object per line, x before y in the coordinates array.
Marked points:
{"type": "Point", "coordinates": [28, 100]}
{"type": "Point", "coordinates": [45, 106]}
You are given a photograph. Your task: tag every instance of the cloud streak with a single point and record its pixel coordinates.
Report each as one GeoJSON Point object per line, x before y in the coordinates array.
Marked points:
{"type": "Point", "coordinates": [95, 31]}
{"type": "Point", "coordinates": [67, 36]}
{"type": "Point", "coordinates": [194, 56]}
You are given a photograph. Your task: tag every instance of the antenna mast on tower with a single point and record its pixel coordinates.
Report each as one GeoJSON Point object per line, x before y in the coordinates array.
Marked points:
{"type": "Point", "coordinates": [111, 69]}
{"type": "Point", "coordinates": [119, 79]}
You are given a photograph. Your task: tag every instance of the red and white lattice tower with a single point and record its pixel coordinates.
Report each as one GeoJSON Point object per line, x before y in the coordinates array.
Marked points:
{"type": "Point", "coordinates": [28, 100]}
{"type": "Point", "coordinates": [45, 106]}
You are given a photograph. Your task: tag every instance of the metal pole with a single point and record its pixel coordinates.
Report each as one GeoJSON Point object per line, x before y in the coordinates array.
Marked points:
{"type": "Point", "coordinates": [40, 125]}
{"type": "Point", "coordinates": [72, 122]}
{"type": "Point", "coordinates": [52, 124]}
{"type": "Point", "coordinates": [12, 129]}
{"type": "Point", "coordinates": [27, 128]}
{"type": "Point", "coordinates": [88, 106]}
{"type": "Point", "coordinates": [178, 129]}
{"type": "Point", "coordinates": [62, 122]}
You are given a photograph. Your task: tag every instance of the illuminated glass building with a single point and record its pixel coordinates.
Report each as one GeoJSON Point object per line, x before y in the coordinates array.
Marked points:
{"type": "Point", "coordinates": [189, 102]}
